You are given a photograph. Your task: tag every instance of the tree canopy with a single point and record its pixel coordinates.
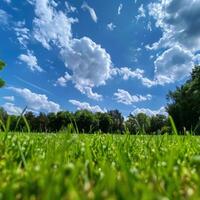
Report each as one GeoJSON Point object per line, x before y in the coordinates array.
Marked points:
{"type": "Point", "coordinates": [2, 65]}
{"type": "Point", "coordinates": [184, 103]}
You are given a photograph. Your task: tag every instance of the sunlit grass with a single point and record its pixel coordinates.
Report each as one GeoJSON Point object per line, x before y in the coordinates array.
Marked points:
{"type": "Point", "coordinates": [72, 166]}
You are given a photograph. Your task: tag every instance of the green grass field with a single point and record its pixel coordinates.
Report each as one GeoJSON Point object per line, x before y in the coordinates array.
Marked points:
{"type": "Point", "coordinates": [64, 166]}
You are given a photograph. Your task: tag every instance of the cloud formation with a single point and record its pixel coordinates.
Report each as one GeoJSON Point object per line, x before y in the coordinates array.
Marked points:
{"type": "Point", "coordinates": [89, 64]}
{"type": "Point", "coordinates": [141, 12]}
{"type": "Point", "coordinates": [150, 112]}
{"type": "Point", "coordinates": [123, 96]}
{"type": "Point", "coordinates": [31, 61]}
{"type": "Point", "coordinates": [4, 17]}
{"type": "Point", "coordinates": [120, 9]}
{"type": "Point", "coordinates": [9, 98]}
{"type": "Point", "coordinates": [179, 23]}
{"type": "Point", "coordinates": [37, 102]}
{"type": "Point", "coordinates": [111, 26]}
{"type": "Point", "coordinates": [86, 106]}
{"type": "Point", "coordinates": [92, 12]}
{"type": "Point", "coordinates": [12, 109]}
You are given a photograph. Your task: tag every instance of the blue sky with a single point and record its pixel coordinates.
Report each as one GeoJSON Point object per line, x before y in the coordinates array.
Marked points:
{"type": "Point", "coordinates": [96, 55]}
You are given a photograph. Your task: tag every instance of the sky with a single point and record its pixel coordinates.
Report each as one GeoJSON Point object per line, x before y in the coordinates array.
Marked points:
{"type": "Point", "coordinates": [96, 55]}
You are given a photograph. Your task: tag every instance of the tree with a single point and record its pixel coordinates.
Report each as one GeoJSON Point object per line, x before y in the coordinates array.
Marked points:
{"type": "Point", "coordinates": [62, 120]}
{"type": "Point", "coordinates": [117, 125]}
{"type": "Point", "coordinates": [132, 124]}
{"type": "Point", "coordinates": [157, 123]}
{"type": "Point", "coordinates": [52, 122]}
{"type": "Point", "coordinates": [105, 122]}
{"type": "Point", "coordinates": [184, 103]}
{"type": "Point", "coordinates": [86, 121]}
{"type": "Point", "coordinates": [2, 65]}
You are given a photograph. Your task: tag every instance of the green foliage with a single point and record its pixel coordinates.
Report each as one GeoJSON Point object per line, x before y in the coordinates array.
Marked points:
{"type": "Point", "coordinates": [184, 103]}
{"type": "Point", "coordinates": [2, 65]}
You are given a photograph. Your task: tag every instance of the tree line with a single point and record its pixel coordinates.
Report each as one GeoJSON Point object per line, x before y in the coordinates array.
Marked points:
{"type": "Point", "coordinates": [84, 121]}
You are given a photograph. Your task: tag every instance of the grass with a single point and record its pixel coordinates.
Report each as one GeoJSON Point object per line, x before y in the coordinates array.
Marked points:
{"type": "Point", "coordinates": [72, 166]}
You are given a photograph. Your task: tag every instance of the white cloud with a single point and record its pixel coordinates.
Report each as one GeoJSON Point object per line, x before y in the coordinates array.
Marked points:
{"type": "Point", "coordinates": [149, 26]}
{"type": "Point", "coordinates": [70, 8]}
{"type": "Point", "coordinates": [86, 106]}
{"type": "Point", "coordinates": [93, 15]}
{"type": "Point", "coordinates": [141, 12]}
{"type": "Point", "coordinates": [179, 21]}
{"type": "Point", "coordinates": [37, 102]}
{"type": "Point", "coordinates": [12, 109]}
{"type": "Point", "coordinates": [62, 81]}
{"type": "Point", "coordinates": [123, 96]}
{"type": "Point", "coordinates": [22, 33]}
{"type": "Point", "coordinates": [50, 26]}
{"type": "Point", "coordinates": [111, 26]}
{"type": "Point", "coordinates": [127, 73]}
{"type": "Point", "coordinates": [90, 94]}
{"type": "Point", "coordinates": [9, 98]}
{"type": "Point", "coordinates": [150, 112]}
{"type": "Point", "coordinates": [174, 64]}
{"type": "Point", "coordinates": [31, 61]}
{"type": "Point", "coordinates": [90, 64]}
{"type": "Point", "coordinates": [4, 17]}
{"type": "Point", "coordinates": [120, 9]}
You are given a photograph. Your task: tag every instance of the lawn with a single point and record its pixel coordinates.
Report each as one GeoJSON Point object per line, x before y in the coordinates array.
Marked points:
{"type": "Point", "coordinates": [71, 166]}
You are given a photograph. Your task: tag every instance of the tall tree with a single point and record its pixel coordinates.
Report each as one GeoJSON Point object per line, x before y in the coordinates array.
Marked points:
{"type": "Point", "coordinates": [105, 122]}
{"type": "Point", "coordinates": [117, 121]}
{"type": "Point", "coordinates": [2, 65]}
{"type": "Point", "coordinates": [184, 102]}
{"type": "Point", "coordinates": [86, 121]}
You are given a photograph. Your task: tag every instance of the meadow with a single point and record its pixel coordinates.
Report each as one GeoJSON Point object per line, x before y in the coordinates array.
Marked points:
{"type": "Point", "coordinates": [99, 166]}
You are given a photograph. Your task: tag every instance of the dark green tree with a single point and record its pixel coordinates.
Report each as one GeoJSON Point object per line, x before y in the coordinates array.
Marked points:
{"type": "Point", "coordinates": [157, 123]}
{"type": "Point", "coordinates": [86, 121]}
{"type": "Point", "coordinates": [105, 122]}
{"type": "Point", "coordinates": [184, 103]}
{"type": "Point", "coordinates": [2, 65]}
{"type": "Point", "coordinates": [117, 125]}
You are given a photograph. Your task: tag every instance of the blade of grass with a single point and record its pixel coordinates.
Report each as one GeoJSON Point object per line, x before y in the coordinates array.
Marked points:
{"type": "Point", "coordinates": [174, 129]}
{"type": "Point", "coordinates": [17, 124]}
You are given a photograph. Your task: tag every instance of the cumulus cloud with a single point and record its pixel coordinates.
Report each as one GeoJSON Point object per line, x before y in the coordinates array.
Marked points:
{"type": "Point", "coordinates": [9, 98]}
{"type": "Point", "coordinates": [120, 9]}
{"type": "Point", "coordinates": [179, 22]}
{"type": "Point", "coordinates": [86, 106]}
{"type": "Point", "coordinates": [141, 12]}
{"type": "Point", "coordinates": [50, 26]}
{"type": "Point", "coordinates": [12, 109]}
{"type": "Point", "coordinates": [127, 73]}
{"type": "Point", "coordinates": [93, 15]}
{"type": "Point", "coordinates": [62, 81]}
{"type": "Point", "coordinates": [123, 96]}
{"type": "Point", "coordinates": [111, 26]}
{"type": "Point", "coordinates": [174, 64]}
{"type": "Point", "coordinates": [150, 112]}
{"type": "Point", "coordinates": [37, 102]}
{"type": "Point", "coordinates": [31, 61]}
{"type": "Point", "coordinates": [90, 64]}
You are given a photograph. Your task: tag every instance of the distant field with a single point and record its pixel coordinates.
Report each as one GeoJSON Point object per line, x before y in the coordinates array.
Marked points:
{"type": "Point", "coordinates": [64, 166]}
